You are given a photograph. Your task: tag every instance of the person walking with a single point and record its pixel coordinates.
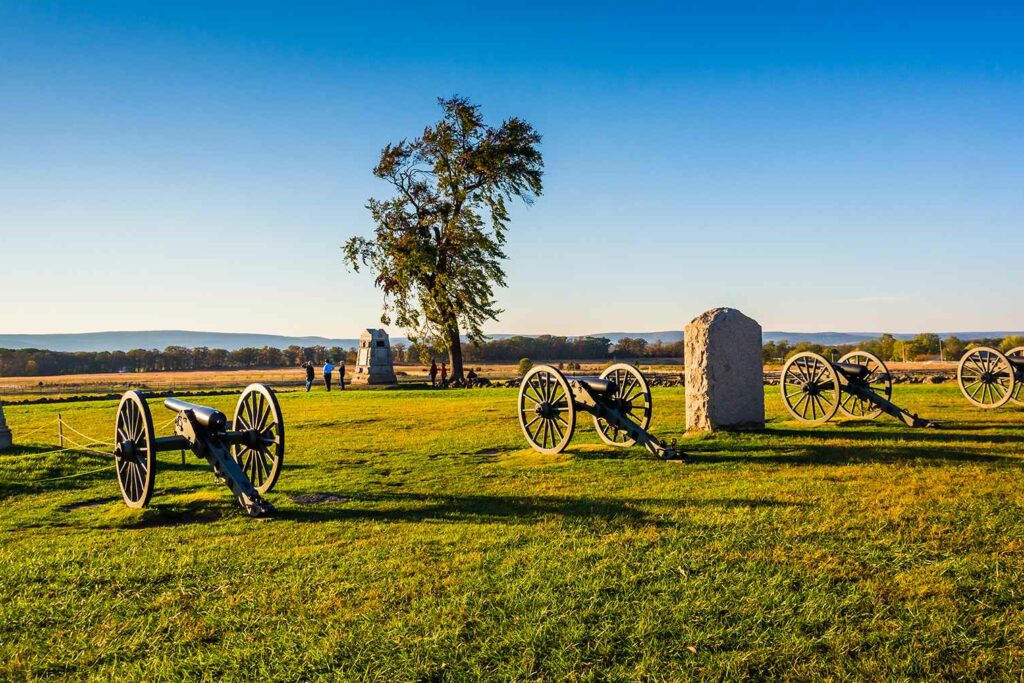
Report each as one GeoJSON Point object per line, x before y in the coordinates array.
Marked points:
{"type": "Point", "coordinates": [433, 372]}
{"type": "Point", "coordinates": [328, 371]}
{"type": "Point", "coordinates": [341, 375]}
{"type": "Point", "coordinates": [309, 375]}
{"type": "Point", "coordinates": [444, 375]}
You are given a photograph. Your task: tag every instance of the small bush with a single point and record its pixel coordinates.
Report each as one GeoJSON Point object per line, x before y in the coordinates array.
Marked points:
{"type": "Point", "coordinates": [525, 364]}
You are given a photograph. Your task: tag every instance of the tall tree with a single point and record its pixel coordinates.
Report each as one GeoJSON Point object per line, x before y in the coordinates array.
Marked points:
{"type": "Point", "coordinates": [438, 244]}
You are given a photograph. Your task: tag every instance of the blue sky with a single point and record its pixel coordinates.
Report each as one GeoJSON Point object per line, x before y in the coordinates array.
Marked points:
{"type": "Point", "coordinates": [850, 167]}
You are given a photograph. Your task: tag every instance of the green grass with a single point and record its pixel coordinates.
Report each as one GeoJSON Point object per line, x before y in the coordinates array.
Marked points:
{"type": "Point", "coordinates": [854, 550]}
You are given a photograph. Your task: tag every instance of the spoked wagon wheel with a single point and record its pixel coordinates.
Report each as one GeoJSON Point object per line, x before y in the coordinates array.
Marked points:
{"type": "Point", "coordinates": [134, 450]}
{"type": "Point", "coordinates": [985, 377]}
{"type": "Point", "coordinates": [1017, 395]}
{"type": "Point", "coordinates": [810, 388]}
{"type": "Point", "coordinates": [261, 455]}
{"type": "Point", "coordinates": [632, 398]}
{"type": "Point", "coordinates": [546, 411]}
{"type": "Point", "coordinates": [878, 379]}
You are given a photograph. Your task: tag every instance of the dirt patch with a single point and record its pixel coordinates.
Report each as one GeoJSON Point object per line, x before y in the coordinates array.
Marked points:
{"type": "Point", "coordinates": [318, 498]}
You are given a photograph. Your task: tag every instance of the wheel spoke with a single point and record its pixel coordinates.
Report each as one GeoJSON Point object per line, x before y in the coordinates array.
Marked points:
{"type": "Point", "coordinates": [540, 433]}
{"type": "Point", "coordinates": [557, 430]}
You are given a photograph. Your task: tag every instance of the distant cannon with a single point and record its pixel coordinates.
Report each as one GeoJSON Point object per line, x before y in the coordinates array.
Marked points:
{"type": "Point", "coordinates": [246, 453]}
{"type": "Point", "coordinates": [814, 389]}
{"type": "Point", "coordinates": [619, 401]}
{"type": "Point", "coordinates": [990, 379]}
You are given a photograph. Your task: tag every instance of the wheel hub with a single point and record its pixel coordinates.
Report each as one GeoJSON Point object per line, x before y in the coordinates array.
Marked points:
{"type": "Point", "coordinates": [546, 410]}
{"type": "Point", "coordinates": [253, 439]}
{"type": "Point", "coordinates": [125, 450]}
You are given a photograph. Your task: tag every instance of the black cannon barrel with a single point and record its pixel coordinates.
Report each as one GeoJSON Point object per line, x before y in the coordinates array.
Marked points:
{"type": "Point", "coordinates": [601, 386]}
{"type": "Point", "coordinates": [205, 415]}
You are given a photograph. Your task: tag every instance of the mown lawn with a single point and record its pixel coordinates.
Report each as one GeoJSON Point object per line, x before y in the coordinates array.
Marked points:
{"type": "Point", "coordinates": [855, 550]}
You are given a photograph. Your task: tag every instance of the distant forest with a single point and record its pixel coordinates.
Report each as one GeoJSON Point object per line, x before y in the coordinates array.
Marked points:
{"type": "Point", "coordinates": [33, 362]}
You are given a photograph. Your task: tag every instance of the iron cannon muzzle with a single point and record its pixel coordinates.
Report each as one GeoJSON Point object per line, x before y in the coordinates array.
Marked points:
{"type": "Point", "coordinates": [211, 418]}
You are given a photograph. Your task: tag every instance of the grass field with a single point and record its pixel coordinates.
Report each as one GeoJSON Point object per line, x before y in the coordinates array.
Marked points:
{"type": "Point", "coordinates": [449, 552]}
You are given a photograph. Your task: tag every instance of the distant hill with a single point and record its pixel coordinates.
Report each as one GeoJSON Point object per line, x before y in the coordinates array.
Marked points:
{"type": "Point", "coordinates": [160, 339]}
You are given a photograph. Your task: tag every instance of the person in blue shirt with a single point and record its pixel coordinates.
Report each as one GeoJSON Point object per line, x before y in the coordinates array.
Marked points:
{"type": "Point", "coordinates": [328, 371]}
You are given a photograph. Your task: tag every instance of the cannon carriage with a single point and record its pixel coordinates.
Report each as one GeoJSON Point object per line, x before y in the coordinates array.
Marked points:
{"type": "Point", "coordinates": [989, 378]}
{"type": "Point", "coordinates": [246, 453]}
{"type": "Point", "coordinates": [618, 401]}
{"type": "Point", "coordinates": [858, 385]}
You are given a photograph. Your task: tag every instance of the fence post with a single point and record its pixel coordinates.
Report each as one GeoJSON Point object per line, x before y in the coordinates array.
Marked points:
{"type": "Point", "coordinates": [60, 430]}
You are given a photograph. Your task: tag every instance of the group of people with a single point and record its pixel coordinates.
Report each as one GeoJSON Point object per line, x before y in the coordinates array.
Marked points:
{"type": "Point", "coordinates": [433, 374]}
{"type": "Point", "coordinates": [328, 374]}
{"type": "Point", "coordinates": [329, 369]}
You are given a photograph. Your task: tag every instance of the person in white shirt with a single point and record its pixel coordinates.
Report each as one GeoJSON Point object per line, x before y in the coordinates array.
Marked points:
{"type": "Point", "coordinates": [328, 371]}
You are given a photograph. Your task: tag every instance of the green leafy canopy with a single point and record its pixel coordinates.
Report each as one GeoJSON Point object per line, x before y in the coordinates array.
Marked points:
{"type": "Point", "coordinates": [438, 243]}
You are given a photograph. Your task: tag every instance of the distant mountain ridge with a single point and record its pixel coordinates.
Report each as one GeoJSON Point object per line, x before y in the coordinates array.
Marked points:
{"type": "Point", "coordinates": [160, 339]}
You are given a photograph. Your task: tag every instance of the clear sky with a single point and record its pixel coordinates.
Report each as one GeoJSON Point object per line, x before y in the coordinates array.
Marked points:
{"type": "Point", "coordinates": [821, 166]}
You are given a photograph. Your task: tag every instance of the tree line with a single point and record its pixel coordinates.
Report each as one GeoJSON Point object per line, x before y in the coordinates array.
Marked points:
{"type": "Point", "coordinates": [32, 362]}
{"type": "Point", "coordinates": [545, 347]}
{"type": "Point", "coordinates": [925, 346]}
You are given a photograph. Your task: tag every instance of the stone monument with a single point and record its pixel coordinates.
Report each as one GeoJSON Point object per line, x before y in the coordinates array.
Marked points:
{"type": "Point", "coordinates": [724, 375]}
{"type": "Point", "coordinates": [5, 432]}
{"type": "Point", "coordinates": [373, 363]}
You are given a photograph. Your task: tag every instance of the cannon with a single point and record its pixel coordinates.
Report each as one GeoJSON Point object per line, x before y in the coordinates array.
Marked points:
{"type": "Point", "coordinates": [814, 389]}
{"type": "Point", "coordinates": [619, 401]}
{"type": "Point", "coordinates": [989, 378]}
{"type": "Point", "coordinates": [245, 453]}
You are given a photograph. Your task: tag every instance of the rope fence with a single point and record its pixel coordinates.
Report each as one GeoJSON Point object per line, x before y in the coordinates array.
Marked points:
{"type": "Point", "coordinates": [32, 431]}
{"type": "Point", "coordinates": [96, 442]}
{"type": "Point", "coordinates": [88, 448]}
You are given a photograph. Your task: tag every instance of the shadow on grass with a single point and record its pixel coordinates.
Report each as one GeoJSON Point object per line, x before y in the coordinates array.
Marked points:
{"type": "Point", "coordinates": [403, 386]}
{"type": "Point", "coordinates": [511, 509]}
{"type": "Point", "coordinates": [946, 436]}
{"type": "Point", "coordinates": [832, 454]}
{"type": "Point", "coordinates": [88, 503]}
{"type": "Point", "coordinates": [401, 507]}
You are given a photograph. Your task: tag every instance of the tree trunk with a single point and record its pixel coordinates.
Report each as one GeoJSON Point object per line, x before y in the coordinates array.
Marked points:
{"type": "Point", "coordinates": [455, 351]}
